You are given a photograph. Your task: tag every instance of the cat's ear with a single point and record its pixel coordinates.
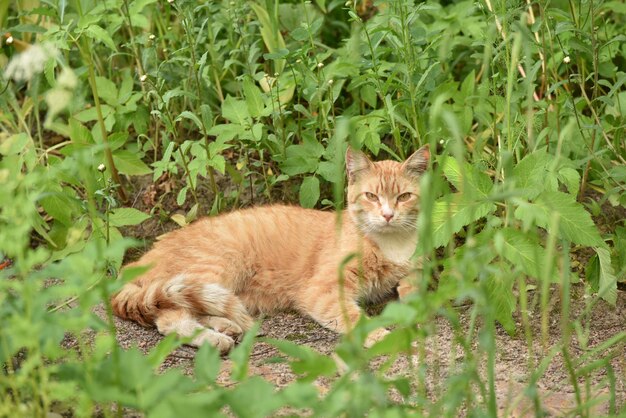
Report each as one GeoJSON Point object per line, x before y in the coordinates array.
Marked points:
{"type": "Point", "coordinates": [417, 163]}
{"type": "Point", "coordinates": [356, 163]}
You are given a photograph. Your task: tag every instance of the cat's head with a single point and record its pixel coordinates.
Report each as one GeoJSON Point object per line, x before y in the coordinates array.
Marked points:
{"type": "Point", "coordinates": [384, 196]}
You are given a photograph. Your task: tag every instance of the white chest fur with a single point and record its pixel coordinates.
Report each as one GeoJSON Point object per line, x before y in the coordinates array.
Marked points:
{"type": "Point", "coordinates": [397, 248]}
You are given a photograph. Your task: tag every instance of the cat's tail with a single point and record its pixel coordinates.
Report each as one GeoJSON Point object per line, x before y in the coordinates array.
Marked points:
{"type": "Point", "coordinates": [143, 302]}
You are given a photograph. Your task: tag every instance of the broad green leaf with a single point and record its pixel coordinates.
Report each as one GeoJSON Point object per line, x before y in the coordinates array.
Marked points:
{"type": "Point", "coordinates": [254, 100]}
{"type": "Point", "coordinates": [500, 296]}
{"type": "Point", "coordinates": [60, 206]}
{"type": "Point", "coordinates": [127, 216]}
{"type": "Point", "coordinates": [607, 281]}
{"type": "Point", "coordinates": [467, 179]}
{"type": "Point", "coordinates": [530, 174]}
{"type": "Point", "coordinates": [129, 163]}
{"type": "Point", "coordinates": [305, 361]}
{"type": "Point", "coordinates": [218, 162]}
{"type": "Point", "coordinates": [91, 113]}
{"type": "Point", "coordinates": [106, 90]}
{"type": "Point", "coordinates": [15, 144]}
{"type": "Point", "coordinates": [575, 223]}
{"type": "Point", "coordinates": [235, 111]}
{"type": "Point", "coordinates": [207, 364]}
{"type": "Point", "coordinates": [240, 355]}
{"type": "Point", "coordinates": [522, 251]}
{"type": "Point", "coordinates": [253, 398]}
{"type": "Point", "coordinates": [571, 179]}
{"type": "Point", "coordinates": [227, 131]}
{"type": "Point", "coordinates": [188, 115]}
{"type": "Point", "coordinates": [453, 212]}
{"type": "Point", "coordinates": [96, 33]}
{"type": "Point", "coordinates": [309, 192]}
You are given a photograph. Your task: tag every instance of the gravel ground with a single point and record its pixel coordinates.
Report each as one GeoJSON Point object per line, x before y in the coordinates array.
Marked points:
{"type": "Point", "coordinates": [443, 355]}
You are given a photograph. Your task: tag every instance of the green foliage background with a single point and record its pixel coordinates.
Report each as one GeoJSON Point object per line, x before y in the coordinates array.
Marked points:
{"type": "Point", "coordinates": [523, 101]}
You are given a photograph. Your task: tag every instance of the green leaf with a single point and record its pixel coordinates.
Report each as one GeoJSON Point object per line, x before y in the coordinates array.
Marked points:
{"type": "Point", "coordinates": [524, 252]}
{"type": "Point", "coordinates": [467, 179]}
{"type": "Point", "coordinates": [240, 355]}
{"type": "Point", "coordinates": [91, 114]}
{"type": "Point", "coordinates": [254, 398]}
{"type": "Point", "coordinates": [309, 192]}
{"type": "Point", "coordinates": [106, 90]}
{"type": "Point", "coordinates": [235, 111]}
{"type": "Point", "coordinates": [306, 361]}
{"type": "Point", "coordinates": [500, 295]}
{"type": "Point", "coordinates": [207, 364]}
{"type": "Point", "coordinates": [218, 162]}
{"type": "Point", "coordinates": [571, 179]}
{"type": "Point", "coordinates": [254, 100]}
{"type": "Point", "coordinates": [188, 115]}
{"type": "Point", "coordinates": [530, 174]}
{"type": "Point", "coordinates": [127, 216]}
{"type": "Point", "coordinates": [608, 281]}
{"type": "Point", "coordinates": [60, 206]}
{"type": "Point", "coordinates": [575, 223]}
{"type": "Point", "coordinates": [453, 212]}
{"type": "Point", "coordinates": [96, 33]}
{"type": "Point", "coordinates": [129, 163]}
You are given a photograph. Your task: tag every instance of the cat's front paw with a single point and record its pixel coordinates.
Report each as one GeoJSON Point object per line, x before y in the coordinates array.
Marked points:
{"type": "Point", "coordinates": [223, 326]}
{"type": "Point", "coordinates": [375, 336]}
{"type": "Point", "coordinates": [218, 340]}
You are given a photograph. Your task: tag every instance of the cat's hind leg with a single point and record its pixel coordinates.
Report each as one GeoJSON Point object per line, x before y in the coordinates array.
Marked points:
{"type": "Point", "coordinates": [184, 324]}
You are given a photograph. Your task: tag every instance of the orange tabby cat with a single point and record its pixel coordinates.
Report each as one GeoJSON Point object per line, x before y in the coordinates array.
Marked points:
{"type": "Point", "coordinates": [207, 279]}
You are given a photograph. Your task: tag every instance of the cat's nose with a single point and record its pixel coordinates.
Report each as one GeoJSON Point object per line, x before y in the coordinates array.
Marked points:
{"type": "Point", "coordinates": [388, 216]}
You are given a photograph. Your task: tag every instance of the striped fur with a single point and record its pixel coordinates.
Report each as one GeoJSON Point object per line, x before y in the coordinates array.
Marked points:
{"type": "Point", "coordinates": [207, 279]}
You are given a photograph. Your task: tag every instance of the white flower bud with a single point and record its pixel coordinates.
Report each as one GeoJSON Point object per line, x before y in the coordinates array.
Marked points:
{"type": "Point", "coordinates": [101, 168]}
{"type": "Point", "coordinates": [330, 82]}
{"type": "Point", "coordinates": [152, 37]}
{"type": "Point", "coordinates": [143, 78]}
{"type": "Point", "coordinates": [567, 59]}
{"type": "Point", "coordinates": [320, 65]}
{"type": "Point", "coordinates": [9, 40]}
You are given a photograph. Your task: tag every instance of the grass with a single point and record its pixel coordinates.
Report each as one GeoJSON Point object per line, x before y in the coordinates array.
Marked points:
{"type": "Point", "coordinates": [239, 101]}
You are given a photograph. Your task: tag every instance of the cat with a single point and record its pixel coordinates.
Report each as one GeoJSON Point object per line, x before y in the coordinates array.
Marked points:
{"type": "Point", "coordinates": [206, 280]}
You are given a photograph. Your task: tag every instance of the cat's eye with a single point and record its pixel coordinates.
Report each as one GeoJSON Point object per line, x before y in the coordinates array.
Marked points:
{"type": "Point", "coordinates": [404, 197]}
{"type": "Point", "coordinates": [371, 196]}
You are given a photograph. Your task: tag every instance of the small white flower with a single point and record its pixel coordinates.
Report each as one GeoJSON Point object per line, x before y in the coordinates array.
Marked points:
{"type": "Point", "coordinates": [441, 141]}
{"type": "Point", "coordinates": [25, 65]}
{"type": "Point", "coordinates": [348, 3]}
{"type": "Point", "coordinates": [9, 40]}
{"type": "Point", "coordinates": [298, 61]}
{"type": "Point", "coordinates": [320, 65]}
{"type": "Point", "coordinates": [152, 37]}
{"type": "Point", "coordinates": [67, 79]}
{"type": "Point", "coordinates": [330, 82]}
{"type": "Point", "coordinates": [101, 168]}
{"type": "Point", "coordinates": [143, 78]}
{"type": "Point", "coordinates": [170, 1]}
{"type": "Point", "coordinates": [567, 59]}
